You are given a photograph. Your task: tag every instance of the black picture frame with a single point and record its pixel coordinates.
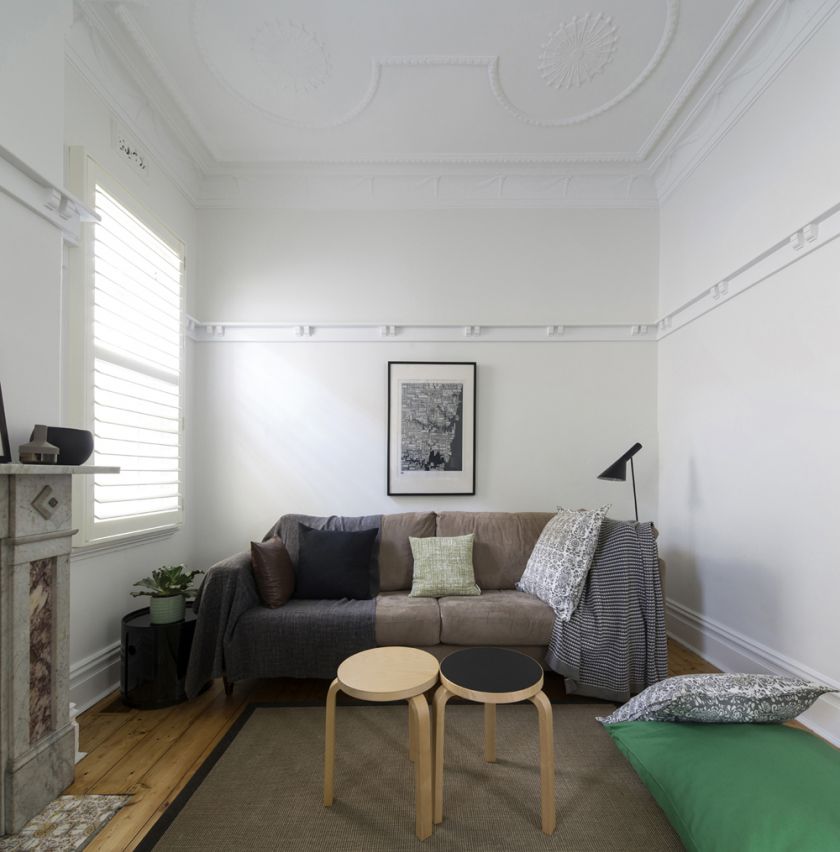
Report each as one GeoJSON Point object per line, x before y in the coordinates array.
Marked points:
{"type": "Point", "coordinates": [5, 447]}
{"type": "Point", "coordinates": [419, 392]}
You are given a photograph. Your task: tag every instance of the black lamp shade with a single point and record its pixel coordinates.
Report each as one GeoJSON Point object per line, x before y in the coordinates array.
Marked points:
{"type": "Point", "coordinates": [617, 471]}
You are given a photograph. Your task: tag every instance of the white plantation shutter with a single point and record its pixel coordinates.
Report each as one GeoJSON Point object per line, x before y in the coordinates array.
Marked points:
{"type": "Point", "coordinates": [137, 346]}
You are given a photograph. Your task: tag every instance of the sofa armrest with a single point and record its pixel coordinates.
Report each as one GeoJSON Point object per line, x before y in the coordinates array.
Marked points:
{"type": "Point", "coordinates": [227, 592]}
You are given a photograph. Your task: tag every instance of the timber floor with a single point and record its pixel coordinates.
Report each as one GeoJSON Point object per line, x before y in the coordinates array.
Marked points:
{"type": "Point", "coordinates": [152, 754]}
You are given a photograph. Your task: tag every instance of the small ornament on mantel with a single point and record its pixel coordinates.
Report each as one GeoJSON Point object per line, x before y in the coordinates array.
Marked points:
{"type": "Point", "coordinates": [39, 450]}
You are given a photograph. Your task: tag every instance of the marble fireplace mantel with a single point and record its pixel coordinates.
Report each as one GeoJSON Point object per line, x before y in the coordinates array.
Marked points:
{"type": "Point", "coordinates": [37, 744]}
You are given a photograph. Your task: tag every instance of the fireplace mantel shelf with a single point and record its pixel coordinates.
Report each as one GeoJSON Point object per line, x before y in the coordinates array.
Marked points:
{"type": "Point", "coordinates": [46, 469]}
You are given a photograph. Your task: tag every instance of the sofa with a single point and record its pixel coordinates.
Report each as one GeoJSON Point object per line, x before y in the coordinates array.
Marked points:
{"type": "Point", "coordinates": [239, 638]}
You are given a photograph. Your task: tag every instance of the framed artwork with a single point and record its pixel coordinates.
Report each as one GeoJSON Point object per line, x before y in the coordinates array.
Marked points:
{"type": "Point", "coordinates": [431, 427]}
{"type": "Point", "coordinates": [5, 449]}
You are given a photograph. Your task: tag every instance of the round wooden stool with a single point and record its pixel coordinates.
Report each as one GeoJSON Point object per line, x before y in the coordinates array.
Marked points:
{"type": "Point", "coordinates": [496, 676]}
{"type": "Point", "coordinates": [390, 674]}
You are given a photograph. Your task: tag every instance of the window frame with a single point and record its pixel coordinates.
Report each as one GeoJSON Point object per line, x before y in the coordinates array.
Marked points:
{"type": "Point", "coordinates": [95, 533]}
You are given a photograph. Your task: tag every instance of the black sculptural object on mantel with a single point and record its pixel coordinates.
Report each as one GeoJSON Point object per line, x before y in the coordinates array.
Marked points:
{"type": "Point", "coordinates": [74, 445]}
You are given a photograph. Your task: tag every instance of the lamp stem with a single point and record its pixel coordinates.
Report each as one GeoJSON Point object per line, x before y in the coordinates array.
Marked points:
{"type": "Point", "coordinates": [633, 473]}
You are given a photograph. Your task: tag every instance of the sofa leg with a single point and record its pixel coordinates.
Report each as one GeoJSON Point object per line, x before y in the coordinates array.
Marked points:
{"type": "Point", "coordinates": [228, 686]}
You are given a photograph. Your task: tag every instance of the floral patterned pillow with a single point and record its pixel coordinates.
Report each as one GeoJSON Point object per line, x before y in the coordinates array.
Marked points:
{"type": "Point", "coordinates": [720, 698]}
{"type": "Point", "coordinates": [559, 563]}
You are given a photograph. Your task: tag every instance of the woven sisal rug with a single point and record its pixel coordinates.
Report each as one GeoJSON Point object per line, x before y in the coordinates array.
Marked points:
{"type": "Point", "coordinates": [261, 788]}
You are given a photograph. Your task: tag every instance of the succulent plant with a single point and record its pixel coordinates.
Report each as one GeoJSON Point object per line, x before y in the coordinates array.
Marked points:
{"type": "Point", "coordinates": [168, 581]}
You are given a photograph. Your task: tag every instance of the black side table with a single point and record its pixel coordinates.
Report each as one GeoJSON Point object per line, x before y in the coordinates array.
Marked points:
{"type": "Point", "coordinates": [154, 660]}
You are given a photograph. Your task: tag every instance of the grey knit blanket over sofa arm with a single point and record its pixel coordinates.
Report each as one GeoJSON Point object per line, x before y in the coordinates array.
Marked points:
{"type": "Point", "coordinates": [236, 636]}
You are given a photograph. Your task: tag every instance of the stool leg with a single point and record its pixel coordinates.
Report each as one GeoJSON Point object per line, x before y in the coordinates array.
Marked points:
{"type": "Point", "coordinates": [442, 695]}
{"type": "Point", "coordinates": [419, 709]}
{"type": "Point", "coordinates": [412, 735]}
{"type": "Point", "coordinates": [329, 744]}
{"type": "Point", "coordinates": [490, 733]}
{"type": "Point", "coordinates": [543, 706]}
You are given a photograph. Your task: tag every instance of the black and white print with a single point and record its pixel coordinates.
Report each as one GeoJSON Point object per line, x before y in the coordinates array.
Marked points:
{"type": "Point", "coordinates": [431, 427]}
{"type": "Point", "coordinates": [431, 415]}
{"type": "Point", "coordinates": [720, 698]}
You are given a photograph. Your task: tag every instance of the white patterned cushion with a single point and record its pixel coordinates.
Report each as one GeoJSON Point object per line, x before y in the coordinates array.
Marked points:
{"type": "Point", "coordinates": [720, 698]}
{"type": "Point", "coordinates": [558, 565]}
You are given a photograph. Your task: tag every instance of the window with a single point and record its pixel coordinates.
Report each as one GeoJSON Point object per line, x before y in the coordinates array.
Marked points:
{"type": "Point", "coordinates": [135, 364]}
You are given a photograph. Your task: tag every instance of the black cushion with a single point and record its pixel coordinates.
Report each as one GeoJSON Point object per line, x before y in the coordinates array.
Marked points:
{"type": "Point", "coordinates": [334, 564]}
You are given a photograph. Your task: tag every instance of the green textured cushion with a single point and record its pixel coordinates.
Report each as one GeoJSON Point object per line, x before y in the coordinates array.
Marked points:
{"type": "Point", "coordinates": [443, 566]}
{"type": "Point", "coordinates": [750, 788]}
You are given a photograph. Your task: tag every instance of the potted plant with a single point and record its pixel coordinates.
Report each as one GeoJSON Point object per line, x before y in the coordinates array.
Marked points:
{"type": "Point", "coordinates": [167, 589]}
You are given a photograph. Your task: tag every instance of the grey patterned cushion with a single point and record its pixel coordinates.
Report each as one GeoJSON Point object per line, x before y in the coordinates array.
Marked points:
{"type": "Point", "coordinates": [556, 571]}
{"type": "Point", "coordinates": [720, 698]}
{"type": "Point", "coordinates": [443, 566]}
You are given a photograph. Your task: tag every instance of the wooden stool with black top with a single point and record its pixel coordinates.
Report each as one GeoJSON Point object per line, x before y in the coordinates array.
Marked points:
{"type": "Point", "coordinates": [496, 676]}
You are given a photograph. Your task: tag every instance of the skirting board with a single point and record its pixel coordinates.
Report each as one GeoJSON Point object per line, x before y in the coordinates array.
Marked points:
{"type": "Point", "coordinates": [731, 651]}
{"type": "Point", "coordinates": [94, 677]}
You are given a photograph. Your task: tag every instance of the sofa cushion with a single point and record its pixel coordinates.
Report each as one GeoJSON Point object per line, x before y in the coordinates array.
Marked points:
{"type": "Point", "coordinates": [403, 620]}
{"type": "Point", "coordinates": [559, 565]}
{"type": "Point", "coordinates": [396, 564]}
{"type": "Point", "coordinates": [333, 564]}
{"type": "Point", "coordinates": [443, 566]}
{"type": "Point", "coordinates": [503, 617]}
{"type": "Point", "coordinates": [274, 573]}
{"type": "Point", "coordinates": [503, 542]}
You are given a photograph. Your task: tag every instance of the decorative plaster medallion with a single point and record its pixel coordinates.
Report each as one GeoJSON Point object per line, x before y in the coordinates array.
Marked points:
{"type": "Point", "coordinates": [578, 51]}
{"type": "Point", "coordinates": [291, 56]}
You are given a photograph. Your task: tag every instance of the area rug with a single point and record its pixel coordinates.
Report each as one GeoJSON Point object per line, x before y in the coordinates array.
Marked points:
{"type": "Point", "coordinates": [261, 789]}
{"type": "Point", "coordinates": [66, 825]}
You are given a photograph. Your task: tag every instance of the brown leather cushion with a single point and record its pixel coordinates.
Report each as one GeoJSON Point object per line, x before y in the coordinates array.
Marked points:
{"type": "Point", "coordinates": [503, 542]}
{"type": "Point", "coordinates": [495, 618]}
{"type": "Point", "coordinates": [274, 573]}
{"type": "Point", "coordinates": [396, 565]}
{"type": "Point", "coordinates": [402, 620]}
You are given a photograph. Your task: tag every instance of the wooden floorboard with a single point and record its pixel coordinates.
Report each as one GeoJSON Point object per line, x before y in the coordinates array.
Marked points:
{"type": "Point", "coordinates": [152, 754]}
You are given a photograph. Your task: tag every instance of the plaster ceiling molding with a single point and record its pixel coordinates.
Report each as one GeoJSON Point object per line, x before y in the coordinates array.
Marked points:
{"type": "Point", "coordinates": [672, 8]}
{"type": "Point", "coordinates": [291, 56]}
{"type": "Point", "coordinates": [281, 67]}
{"type": "Point", "coordinates": [689, 87]}
{"type": "Point", "coordinates": [777, 37]}
{"type": "Point", "coordinates": [102, 61]}
{"type": "Point", "coordinates": [578, 51]}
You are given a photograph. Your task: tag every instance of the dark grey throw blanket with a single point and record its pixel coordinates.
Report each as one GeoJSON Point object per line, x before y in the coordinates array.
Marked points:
{"type": "Point", "coordinates": [236, 636]}
{"type": "Point", "coordinates": [614, 645]}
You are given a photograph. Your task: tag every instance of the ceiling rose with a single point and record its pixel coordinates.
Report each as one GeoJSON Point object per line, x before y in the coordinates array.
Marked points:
{"type": "Point", "coordinates": [291, 56]}
{"type": "Point", "coordinates": [578, 51]}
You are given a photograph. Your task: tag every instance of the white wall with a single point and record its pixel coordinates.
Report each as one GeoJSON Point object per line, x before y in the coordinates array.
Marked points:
{"type": "Point", "coordinates": [748, 411]}
{"type": "Point", "coordinates": [30, 319]}
{"type": "Point", "coordinates": [285, 427]}
{"type": "Point", "coordinates": [31, 87]}
{"type": "Point", "coordinates": [429, 266]}
{"type": "Point", "coordinates": [302, 427]}
{"type": "Point", "coordinates": [100, 583]}
{"type": "Point", "coordinates": [31, 117]}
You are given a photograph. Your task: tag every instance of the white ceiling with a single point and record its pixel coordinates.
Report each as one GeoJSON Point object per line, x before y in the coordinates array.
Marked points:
{"type": "Point", "coordinates": [283, 84]}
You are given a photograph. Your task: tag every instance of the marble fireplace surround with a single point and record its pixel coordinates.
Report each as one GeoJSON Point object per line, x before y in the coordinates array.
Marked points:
{"type": "Point", "coordinates": [37, 744]}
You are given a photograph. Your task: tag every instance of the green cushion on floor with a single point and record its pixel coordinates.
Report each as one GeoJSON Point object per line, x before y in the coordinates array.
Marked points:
{"type": "Point", "coordinates": [750, 788]}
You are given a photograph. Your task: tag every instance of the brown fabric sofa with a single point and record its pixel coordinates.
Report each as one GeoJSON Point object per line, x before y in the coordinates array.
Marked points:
{"type": "Point", "coordinates": [238, 638]}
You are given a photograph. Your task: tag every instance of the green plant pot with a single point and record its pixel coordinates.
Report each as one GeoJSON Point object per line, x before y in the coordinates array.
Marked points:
{"type": "Point", "coordinates": [166, 610]}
